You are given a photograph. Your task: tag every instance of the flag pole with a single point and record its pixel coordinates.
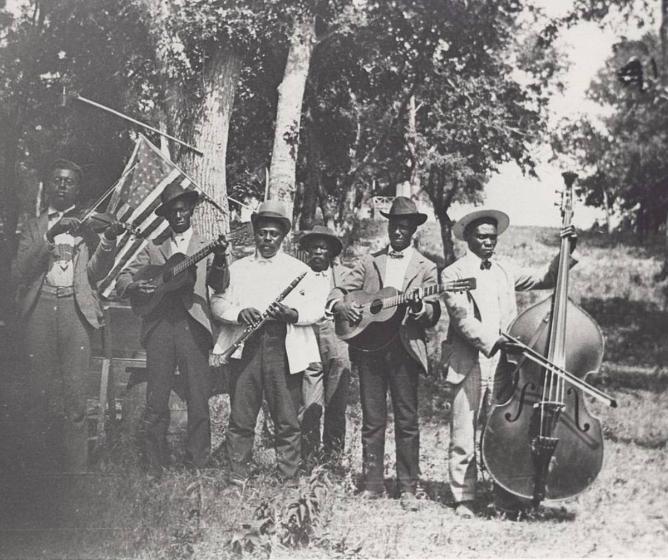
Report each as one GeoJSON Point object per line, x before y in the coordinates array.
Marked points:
{"type": "Point", "coordinates": [134, 121]}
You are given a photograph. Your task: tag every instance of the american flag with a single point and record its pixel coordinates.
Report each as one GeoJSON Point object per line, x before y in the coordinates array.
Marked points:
{"type": "Point", "coordinates": [134, 201]}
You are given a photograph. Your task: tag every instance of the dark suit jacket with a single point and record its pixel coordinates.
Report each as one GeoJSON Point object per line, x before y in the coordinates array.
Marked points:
{"type": "Point", "coordinates": [369, 274]}
{"type": "Point", "coordinates": [197, 303]}
{"type": "Point", "coordinates": [91, 265]}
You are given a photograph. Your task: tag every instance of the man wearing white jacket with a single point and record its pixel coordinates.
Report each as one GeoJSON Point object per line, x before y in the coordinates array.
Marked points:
{"type": "Point", "coordinates": [472, 349]}
{"type": "Point", "coordinates": [273, 358]}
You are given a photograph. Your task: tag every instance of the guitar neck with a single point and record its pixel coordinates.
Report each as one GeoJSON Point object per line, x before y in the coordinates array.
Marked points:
{"type": "Point", "coordinates": [192, 259]}
{"type": "Point", "coordinates": [401, 298]}
{"type": "Point", "coordinates": [426, 292]}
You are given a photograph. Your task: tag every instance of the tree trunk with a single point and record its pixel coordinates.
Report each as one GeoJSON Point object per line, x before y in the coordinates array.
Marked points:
{"type": "Point", "coordinates": [411, 144]}
{"type": "Point", "coordinates": [210, 134]}
{"type": "Point", "coordinates": [282, 172]}
{"type": "Point", "coordinates": [9, 192]}
{"type": "Point", "coordinates": [663, 34]}
{"type": "Point", "coordinates": [446, 237]}
{"type": "Point", "coordinates": [608, 211]}
{"type": "Point", "coordinates": [313, 179]}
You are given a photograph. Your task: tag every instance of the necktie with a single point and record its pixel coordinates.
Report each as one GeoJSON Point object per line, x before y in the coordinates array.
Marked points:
{"type": "Point", "coordinates": [485, 265]}
{"type": "Point", "coordinates": [396, 255]}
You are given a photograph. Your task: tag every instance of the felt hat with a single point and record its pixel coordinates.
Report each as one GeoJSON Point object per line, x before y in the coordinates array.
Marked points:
{"type": "Point", "coordinates": [325, 233]}
{"type": "Point", "coordinates": [500, 218]}
{"type": "Point", "coordinates": [172, 192]}
{"type": "Point", "coordinates": [403, 207]}
{"type": "Point", "coordinates": [275, 210]}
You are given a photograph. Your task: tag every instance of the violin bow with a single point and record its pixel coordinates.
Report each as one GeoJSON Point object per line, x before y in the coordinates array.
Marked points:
{"type": "Point", "coordinates": [542, 361]}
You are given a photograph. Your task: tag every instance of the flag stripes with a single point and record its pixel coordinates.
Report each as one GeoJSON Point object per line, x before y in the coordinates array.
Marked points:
{"type": "Point", "coordinates": [135, 200]}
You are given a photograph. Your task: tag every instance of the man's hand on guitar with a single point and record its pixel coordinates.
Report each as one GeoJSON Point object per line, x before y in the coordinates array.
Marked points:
{"type": "Point", "coordinates": [220, 249]}
{"type": "Point", "coordinates": [249, 316]}
{"type": "Point", "coordinates": [283, 313]}
{"type": "Point", "coordinates": [351, 312]}
{"type": "Point", "coordinates": [416, 306]}
{"type": "Point", "coordinates": [141, 287]}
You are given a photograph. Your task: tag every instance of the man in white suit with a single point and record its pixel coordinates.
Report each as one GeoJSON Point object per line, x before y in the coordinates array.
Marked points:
{"type": "Point", "coordinates": [471, 351]}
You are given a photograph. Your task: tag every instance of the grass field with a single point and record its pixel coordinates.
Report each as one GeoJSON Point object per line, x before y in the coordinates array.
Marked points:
{"type": "Point", "coordinates": [119, 512]}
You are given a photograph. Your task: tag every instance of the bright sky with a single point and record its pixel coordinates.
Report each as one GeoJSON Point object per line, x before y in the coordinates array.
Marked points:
{"type": "Point", "coordinates": [532, 201]}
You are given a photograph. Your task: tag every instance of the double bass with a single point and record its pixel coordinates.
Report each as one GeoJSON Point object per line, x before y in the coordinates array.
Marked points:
{"type": "Point", "coordinates": [542, 442]}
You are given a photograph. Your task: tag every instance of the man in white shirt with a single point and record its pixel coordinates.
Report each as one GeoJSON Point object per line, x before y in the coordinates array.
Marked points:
{"type": "Point", "coordinates": [471, 352]}
{"type": "Point", "coordinates": [326, 381]}
{"type": "Point", "coordinates": [178, 333]}
{"type": "Point", "coordinates": [273, 359]}
{"type": "Point", "coordinates": [397, 366]}
{"type": "Point", "coordinates": [58, 263]}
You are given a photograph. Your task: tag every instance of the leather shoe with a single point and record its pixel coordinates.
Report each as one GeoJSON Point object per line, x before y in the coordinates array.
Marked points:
{"type": "Point", "coordinates": [409, 501]}
{"type": "Point", "coordinates": [371, 494]}
{"type": "Point", "coordinates": [465, 510]}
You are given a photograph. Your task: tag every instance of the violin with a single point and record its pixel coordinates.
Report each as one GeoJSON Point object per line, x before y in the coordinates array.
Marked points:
{"type": "Point", "coordinates": [542, 442]}
{"type": "Point", "coordinates": [97, 222]}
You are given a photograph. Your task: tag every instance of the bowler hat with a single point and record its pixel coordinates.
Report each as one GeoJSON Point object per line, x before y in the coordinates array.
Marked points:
{"type": "Point", "coordinates": [274, 210]}
{"type": "Point", "coordinates": [403, 207]}
{"type": "Point", "coordinates": [325, 233]}
{"type": "Point", "coordinates": [500, 218]}
{"type": "Point", "coordinates": [172, 192]}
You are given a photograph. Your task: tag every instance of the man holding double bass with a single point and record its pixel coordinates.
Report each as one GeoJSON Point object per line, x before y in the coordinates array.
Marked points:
{"type": "Point", "coordinates": [471, 351]}
{"type": "Point", "coordinates": [397, 365]}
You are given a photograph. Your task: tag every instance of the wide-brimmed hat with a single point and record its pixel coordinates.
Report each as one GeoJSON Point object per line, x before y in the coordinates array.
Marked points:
{"type": "Point", "coordinates": [403, 207]}
{"type": "Point", "coordinates": [274, 210]}
{"type": "Point", "coordinates": [172, 192]}
{"type": "Point", "coordinates": [325, 233]}
{"type": "Point", "coordinates": [501, 218]}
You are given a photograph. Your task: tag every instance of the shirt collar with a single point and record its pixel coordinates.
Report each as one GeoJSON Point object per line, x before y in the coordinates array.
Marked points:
{"type": "Point", "coordinates": [407, 252]}
{"type": "Point", "coordinates": [183, 235]}
{"type": "Point", "coordinates": [260, 259]}
{"type": "Point", "coordinates": [475, 259]}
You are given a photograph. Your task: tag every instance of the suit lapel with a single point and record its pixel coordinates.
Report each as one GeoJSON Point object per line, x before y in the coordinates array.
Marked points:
{"type": "Point", "coordinates": [412, 269]}
{"type": "Point", "coordinates": [165, 248]}
{"type": "Point", "coordinates": [380, 262]}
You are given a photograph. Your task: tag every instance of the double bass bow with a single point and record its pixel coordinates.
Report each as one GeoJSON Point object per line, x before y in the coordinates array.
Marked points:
{"type": "Point", "coordinates": [542, 442]}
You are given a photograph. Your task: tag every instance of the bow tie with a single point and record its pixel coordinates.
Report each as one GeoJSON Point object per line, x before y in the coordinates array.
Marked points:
{"type": "Point", "coordinates": [396, 254]}
{"type": "Point", "coordinates": [485, 265]}
{"type": "Point", "coordinates": [321, 274]}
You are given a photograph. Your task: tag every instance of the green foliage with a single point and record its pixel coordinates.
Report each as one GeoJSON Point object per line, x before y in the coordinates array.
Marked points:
{"type": "Point", "coordinates": [284, 523]}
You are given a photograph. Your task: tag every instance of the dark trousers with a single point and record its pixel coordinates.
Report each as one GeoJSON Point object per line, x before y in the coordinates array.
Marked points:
{"type": "Point", "coordinates": [264, 368]}
{"type": "Point", "coordinates": [177, 340]}
{"type": "Point", "coordinates": [337, 381]}
{"type": "Point", "coordinates": [57, 343]}
{"type": "Point", "coordinates": [391, 368]}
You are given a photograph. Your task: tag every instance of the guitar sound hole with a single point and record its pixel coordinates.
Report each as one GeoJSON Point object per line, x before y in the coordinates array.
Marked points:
{"type": "Point", "coordinates": [376, 306]}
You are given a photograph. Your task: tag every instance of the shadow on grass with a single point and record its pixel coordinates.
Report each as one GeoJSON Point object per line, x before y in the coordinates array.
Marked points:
{"type": "Point", "coordinates": [635, 330]}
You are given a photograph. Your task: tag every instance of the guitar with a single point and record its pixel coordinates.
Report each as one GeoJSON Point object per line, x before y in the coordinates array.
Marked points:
{"type": "Point", "coordinates": [178, 272]}
{"type": "Point", "coordinates": [382, 313]}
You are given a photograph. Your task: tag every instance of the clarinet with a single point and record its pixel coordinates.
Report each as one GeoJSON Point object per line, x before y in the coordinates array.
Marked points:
{"type": "Point", "coordinates": [250, 329]}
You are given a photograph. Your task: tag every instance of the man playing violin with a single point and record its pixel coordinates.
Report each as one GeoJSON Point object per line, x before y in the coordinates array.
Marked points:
{"type": "Point", "coordinates": [396, 367]}
{"type": "Point", "coordinates": [273, 359]}
{"type": "Point", "coordinates": [471, 351]}
{"type": "Point", "coordinates": [178, 333]}
{"type": "Point", "coordinates": [58, 263]}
